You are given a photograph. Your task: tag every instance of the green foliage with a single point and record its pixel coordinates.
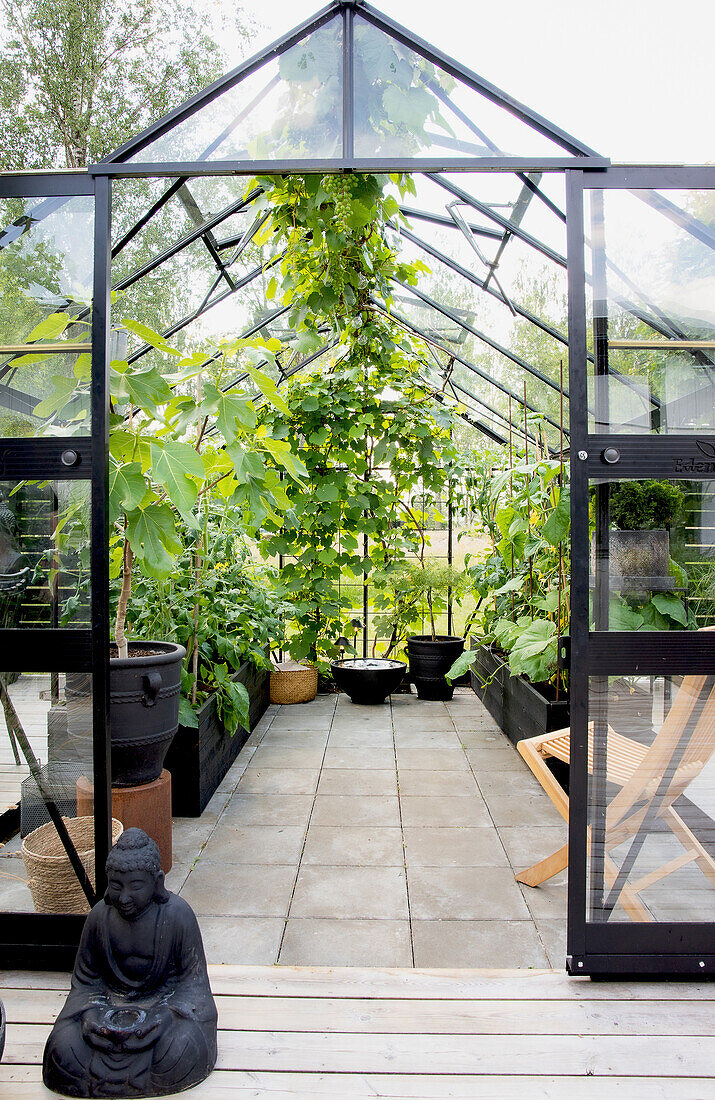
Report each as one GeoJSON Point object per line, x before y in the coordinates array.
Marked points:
{"type": "Point", "coordinates": [169, 471]}
{"type": "Point", "coordinates": [367, 429]}
{"type": "Point", "coordinates": [403, 595]}
{"type": "Point", "coordinates": [645, 505]}
{"type": "Point", "coordinates": [521, 580]}
{"type": "Point", "coordinates": [218, 603]}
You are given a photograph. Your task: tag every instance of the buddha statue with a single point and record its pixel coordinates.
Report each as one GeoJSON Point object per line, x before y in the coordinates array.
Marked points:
{"type": "Point", "coordinates": [140, 1019]}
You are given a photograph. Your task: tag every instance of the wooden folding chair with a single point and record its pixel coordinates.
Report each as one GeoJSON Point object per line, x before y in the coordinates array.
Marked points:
{"type": "Point", "coordinates": [650, 778]}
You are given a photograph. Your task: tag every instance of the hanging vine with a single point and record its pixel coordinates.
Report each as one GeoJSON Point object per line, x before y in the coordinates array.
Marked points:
{"type": "Point", "coordinates": [365, 423]}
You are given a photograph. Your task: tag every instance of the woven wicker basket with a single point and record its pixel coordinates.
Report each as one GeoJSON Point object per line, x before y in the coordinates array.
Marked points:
{"type": "Point", "coordinates": [52, 881]}
{"type": "Point", "coordinates": [292, 682]}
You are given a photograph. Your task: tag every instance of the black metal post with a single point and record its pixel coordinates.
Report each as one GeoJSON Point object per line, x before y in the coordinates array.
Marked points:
{"type": "Point", "coordinates": [101, 326]}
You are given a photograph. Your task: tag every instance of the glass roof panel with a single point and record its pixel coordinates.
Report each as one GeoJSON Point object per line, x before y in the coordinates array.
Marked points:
{"type": "Point", "coordinates": [291, 107]}
{"type": "Point", "coordinates": [405, 106]}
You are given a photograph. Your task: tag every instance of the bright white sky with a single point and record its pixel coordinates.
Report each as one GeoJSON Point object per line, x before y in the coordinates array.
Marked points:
{"type": "Point", "coordinates": [631, 78]}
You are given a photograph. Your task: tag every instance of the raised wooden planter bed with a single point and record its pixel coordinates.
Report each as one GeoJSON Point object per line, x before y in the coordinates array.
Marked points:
{"type": "Point", "coordinates": [516, 705]}
{"type": "Point", "coordinates": [198, 759]}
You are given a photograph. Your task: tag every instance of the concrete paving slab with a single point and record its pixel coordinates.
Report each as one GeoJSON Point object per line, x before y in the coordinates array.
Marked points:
{"type": "Point", "coordinates": [550, 899]}
{"type": "Point", "coordinates": [269, 809]}
{"type": "Point", "coordinates": [527, 844]}
{"type": "Point", "coordinates": [438, 811]}
{"type": "Point", "coordinates": [335, 809]}
{"type": "Point", "coordinates": [435, 760]}
{"type": "Point", "coordinates": [445, 784]}
{"type": "Point", "coordinates": [376, 893]}
{"type": "Point", "coordinates": [456, 944]}
{"type": "Point", "coordinates": [355, 757]}
{"type": "Point", "coordinates": [324, 942]}
{"type": "Point", "coordinates": [359, 846]}
{"type": "Point", "coordinates": [243, 941]}
{"type": "Point", "coordinates": [553, 937]}
{"type": "Point", "coordinates": [279, 781]}
{"type": "Point", "coordinates": [358, 781]}
{"type": "Point", "coordinates": [189, 834]}
{"type": "Point", "coordinates": [248, 891]}
{"type": "Point", "coordinates": [531, 809]}
{"type": "Point", "coordinates": [416, 723]}
{"type": "Point", "coordinates": [509, 780]}
{"type": "Point", "coordinates": [261, 844]}
{"type": "Point", "coordinates": [464, 893]}
{"type": "Point", "coordinates": [361, 739]}
{"type": "Point", "coordinates": [281, 756]}
{"type": "Point", "coordinates": [426, 739]}
{"type": "Point", "coordinates": [435, 847]}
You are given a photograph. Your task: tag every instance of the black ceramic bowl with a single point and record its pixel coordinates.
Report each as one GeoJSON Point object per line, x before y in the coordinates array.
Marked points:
{"type": "Point", "coordinates": [368, 680]}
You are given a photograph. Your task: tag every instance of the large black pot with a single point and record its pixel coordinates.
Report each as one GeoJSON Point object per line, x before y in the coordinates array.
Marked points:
{"type": "Point", "coordinates": [2, 1029]}
{"type": "Point", "coordinates": [429, 660]}
{"type": "Point", "coordinates": [368, 680]}
{"type": "Point", "coordinates": [144, 710]}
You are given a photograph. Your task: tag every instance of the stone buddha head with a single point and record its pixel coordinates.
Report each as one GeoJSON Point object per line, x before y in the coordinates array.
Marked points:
{"type": "Point", "coordinates": [135, 879]}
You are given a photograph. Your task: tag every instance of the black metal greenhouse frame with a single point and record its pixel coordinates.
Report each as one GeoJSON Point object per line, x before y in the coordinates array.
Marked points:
{"type": "Point", "coordinates": [41, 941]}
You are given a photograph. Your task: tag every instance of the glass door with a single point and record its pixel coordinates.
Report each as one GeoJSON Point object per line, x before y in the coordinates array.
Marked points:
{"type": "Point", "coordinates": [642, 373]}
{"type": "Point", "coordinates": [54, 233]}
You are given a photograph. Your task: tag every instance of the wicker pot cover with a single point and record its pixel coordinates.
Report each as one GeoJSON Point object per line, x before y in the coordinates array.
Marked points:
{"type": "Point", "coordinates": [53, 884]}
{"type": "Point", "coordinates": [292, 682]}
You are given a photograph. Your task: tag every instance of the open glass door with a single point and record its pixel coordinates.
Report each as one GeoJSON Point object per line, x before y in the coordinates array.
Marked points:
{"type": "Point", "coordinates": [642, 374]}
{"type": "Point", "coordinates": [54, 247]}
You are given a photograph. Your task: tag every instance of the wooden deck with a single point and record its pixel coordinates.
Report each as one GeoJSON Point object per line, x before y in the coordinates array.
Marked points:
{"type": "Point", "coordinates": [301, 1032]}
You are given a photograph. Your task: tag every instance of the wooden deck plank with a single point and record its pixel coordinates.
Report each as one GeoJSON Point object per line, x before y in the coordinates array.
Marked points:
{"type": "Point", "coordinates": [530, 1055]}
{"type": "Point", "coordinates": [390, 1016]}
{"type": "Point", "coordinates": [434, 984]}
{"type": "Point", "coordinates": [351, 982]}
{"type": "Point", "coordinates": [22, 1083]}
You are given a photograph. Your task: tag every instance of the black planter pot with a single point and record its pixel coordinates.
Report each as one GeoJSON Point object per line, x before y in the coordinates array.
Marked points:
{"type": "Point", "coordinates": [199, 757]}
{"type": "Point", "coordinates": [429, 660]}
{"type": "Point", "coordinates": [518, 706]}
{"type": "Point", "coordinates": [368, 680]}
{"type": "Point", "coordinates": [144, 710]}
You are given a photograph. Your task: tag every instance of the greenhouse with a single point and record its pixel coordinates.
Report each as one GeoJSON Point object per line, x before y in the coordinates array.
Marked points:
{"type": "Point", "coordinates": [354, 364]}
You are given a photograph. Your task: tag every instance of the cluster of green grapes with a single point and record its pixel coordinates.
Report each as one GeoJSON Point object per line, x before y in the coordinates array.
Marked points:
{"type": "Point", "coordinates": [339, 188]}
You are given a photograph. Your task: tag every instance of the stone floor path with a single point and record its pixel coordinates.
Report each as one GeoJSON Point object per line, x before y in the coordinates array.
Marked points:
{"type": "Point", "coordinates": [375, 836]}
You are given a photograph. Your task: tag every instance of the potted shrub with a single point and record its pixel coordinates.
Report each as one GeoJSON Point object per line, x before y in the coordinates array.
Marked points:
{"type": "Point", "coordinates": [169, 472]}
{"type": "Point", "coordinates": [419, 587]}
{"type": "Point", "coordinates": [221, 606]}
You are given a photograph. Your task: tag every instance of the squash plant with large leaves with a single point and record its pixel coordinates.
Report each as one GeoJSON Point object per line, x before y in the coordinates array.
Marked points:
{"type": "Point", "coordinates": [521, 580]}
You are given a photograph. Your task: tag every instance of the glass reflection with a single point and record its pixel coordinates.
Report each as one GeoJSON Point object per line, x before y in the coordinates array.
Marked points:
{"type": "Point", "coordinates": [650, 803]}
{"type": "Point", "coordinates": [46, 268]}
{"type": "Point", "coordinates": [46, 721]}
{"type": "Point", "coordinates": [44, 554]}
{"type": "Point", "coordinates": [653, 305]}
{"type": "Point", "coordinates": [290, 107]}
{"type": "Point", "coordinates": [652, 555]}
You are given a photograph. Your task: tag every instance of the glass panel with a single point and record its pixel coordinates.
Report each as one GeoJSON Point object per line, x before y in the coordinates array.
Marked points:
{"type": "Point", "coordinates": [653, 306]}
{"type": "Point", "coordinates": [45, 718]}
{"type": "Point", "coordinates": [653, 555]}
{"type": "Point", "coordinates": [406, 106]}
{"type": "Point", "coordinates": [44, 554]}
{"type": "Point", "coordinates": [651, 800]}
{"type": "Point", "coordinates": [46, 270]}
{"type": "Point", "coordinates": [291, 107]}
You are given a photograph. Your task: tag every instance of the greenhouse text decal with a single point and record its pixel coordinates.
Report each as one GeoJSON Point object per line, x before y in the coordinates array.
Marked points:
{"type": "Point", "coordinates": [691, 465]}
